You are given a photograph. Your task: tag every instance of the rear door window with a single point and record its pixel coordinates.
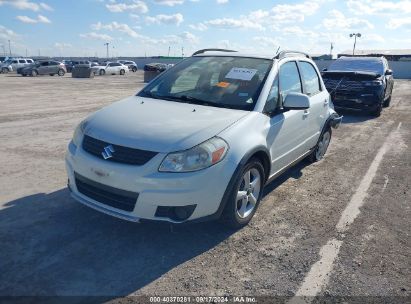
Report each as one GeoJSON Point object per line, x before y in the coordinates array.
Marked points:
{"type": "Point", "coordinates": [289, 79]}
{"type": "Point", "coordinates": [22, 61]}
{"type": "Point", "coordinates": [311, 79]}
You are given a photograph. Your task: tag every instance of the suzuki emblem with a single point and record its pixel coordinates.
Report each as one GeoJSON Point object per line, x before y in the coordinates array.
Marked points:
{"type": "Point", "coordinates": [108, 152]}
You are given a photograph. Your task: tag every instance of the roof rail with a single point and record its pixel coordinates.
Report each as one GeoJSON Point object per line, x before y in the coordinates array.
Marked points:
{"type": "Point", "coordinates": [284, 54]}
{"type": "Point", "coordinates": [212, 50]}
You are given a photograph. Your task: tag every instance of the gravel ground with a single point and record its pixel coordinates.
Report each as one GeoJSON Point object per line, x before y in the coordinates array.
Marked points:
{"type": "Point", "coordinates": [51, 245]}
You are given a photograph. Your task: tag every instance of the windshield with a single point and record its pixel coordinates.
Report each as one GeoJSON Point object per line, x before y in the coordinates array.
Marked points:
{"type": "Point", "coordinates": [229, 82]}
{"type": "Point", "coordinates": [357, 65]}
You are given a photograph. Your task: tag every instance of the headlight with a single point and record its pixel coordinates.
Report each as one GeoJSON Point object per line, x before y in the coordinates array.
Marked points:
{"type": "Point", "coordinates": [199, 157]}
{"type": "Point", "coordinates": [372, 83]}
{"type": "Point", "coordinates": [79, 133]}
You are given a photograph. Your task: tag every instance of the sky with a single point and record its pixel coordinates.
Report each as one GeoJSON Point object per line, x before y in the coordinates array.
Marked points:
{"type": "Point", "coordinates": [176, 27]}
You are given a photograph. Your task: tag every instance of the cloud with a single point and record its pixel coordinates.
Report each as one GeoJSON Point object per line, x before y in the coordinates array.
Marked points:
{"type": "Point", "coordinates": [337, 20]}
{"type": "Point", "coordinates": [266, 41]}
{"type": "Point", "coordinates": [169, 2]}
{"type": "Point", "coordinates": [377, 7]}
{"type": "Point", "coordinates": [40, 19]}
{"type": "Point", "coordinates": [231, 23]}
{"type": "Point", "coordinates": [62, 45]}
{"type": "Point", "coordinates": [189, 37]}
{"type": "Point", "coordinates": [166, 19]}
{"type": "Point", "coordinates": [260, 20]}
{"type": "Point", "coordinates": [46, 6]}
{"type": "Point", "coordinates": [199, 27]}
{"type": "Point", "coordinates": [115, 26]}
{"type": "Point", "coordinates": [26, 19]}
{"type": "Point", "coordinates": [43, 19]}
{"type": "Point", "coordinates": [6, 33]}
{"type": "Point", "coordinates": [26, 5]}
{"type": "Point", "coordinates": [135, 6]}
{"type": "Point", "coordinates": [398, 22]}
{"type": "Point", "coordinates": [222, 1]}
{"type": "Point", "coordinates": [96, 36]}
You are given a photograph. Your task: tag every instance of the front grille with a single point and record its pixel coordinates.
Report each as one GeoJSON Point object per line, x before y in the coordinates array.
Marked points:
{"type": "Point", "coordinates": [121, 154]}
{"type": "Point", "coordinates": [343, 85]}
{"type": "Point", "coordinates": [113, 197]}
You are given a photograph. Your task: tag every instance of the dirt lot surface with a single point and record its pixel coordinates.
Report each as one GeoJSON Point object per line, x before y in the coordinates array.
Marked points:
{"type": "Point", "coordinates": [51, 245]}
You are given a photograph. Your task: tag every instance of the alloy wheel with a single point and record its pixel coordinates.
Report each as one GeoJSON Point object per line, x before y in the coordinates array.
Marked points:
{"type": "Point", "coordinates": [248, 193]}
{"type": "Point", "coordinates": [323, 145]}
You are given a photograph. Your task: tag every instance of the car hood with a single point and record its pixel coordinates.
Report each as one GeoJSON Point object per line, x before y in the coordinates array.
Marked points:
{"type": "Point", "coordinates": [159, 125]}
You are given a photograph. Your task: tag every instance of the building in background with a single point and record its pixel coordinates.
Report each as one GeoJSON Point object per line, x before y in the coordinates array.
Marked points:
{"type": "Point", "coordinates": [393, 55]}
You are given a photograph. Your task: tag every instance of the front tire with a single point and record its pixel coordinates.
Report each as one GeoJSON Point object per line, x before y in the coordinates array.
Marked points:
{"type": "Point", "coordinates": [61, 72]}
{"type": "Point", "coordinates": [122, 72]}
{"type": "Point", "coordinates": [4, 70]}
{"type": "Point", "coordinates": [378, 110]}
{"type": "Point", "coordinates": [245, 195]}
{"type": "Point", "coordinates": [387, 102]}
{"type": "Point", "coordinates": [322, 146]}
{"type": "Point", "coordinates": [102, 72]}
{"type": "Point", "coordinates": [34, 73]}
{"type": "Point", "coordinates": [134, 69]}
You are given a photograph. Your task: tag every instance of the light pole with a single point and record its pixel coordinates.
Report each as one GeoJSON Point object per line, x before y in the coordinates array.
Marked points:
{"type": "Point", "coordinates": [107, 44]}
{"type": "Point", "coordinates": [355, 35]}
{"type": "Point", "coordinates": [9, 48]}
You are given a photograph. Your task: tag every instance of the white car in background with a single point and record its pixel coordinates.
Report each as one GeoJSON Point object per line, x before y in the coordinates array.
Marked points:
{"type": "Point", "coordinates": [201, 140]}
{"type": "Point", "coordinates": [13, 64]}
{"type": "Point", "coordinates": [111, 68]}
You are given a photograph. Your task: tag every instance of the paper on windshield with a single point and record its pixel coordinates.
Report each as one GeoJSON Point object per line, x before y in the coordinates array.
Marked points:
{"type": "Point", "coordinates": [241, 74]}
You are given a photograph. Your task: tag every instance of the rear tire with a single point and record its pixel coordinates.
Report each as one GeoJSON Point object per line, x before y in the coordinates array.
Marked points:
{"type": "Point", "coordinates": [102, 72]}
{"type": "Point", "coordinates": [245, 195]}
{"type": "Point", "coordinates": [134, 69]}
{"type": "Point", "coordinates": [61, 72]}
{"type": "Point", "coordinates": [122, 72]}
{"type": "Point", "coordinates": [321, 147]}
{"type": "Point", "coordinates": [34, 73]}
{"type": "Point", "coordinates": [5, 70]}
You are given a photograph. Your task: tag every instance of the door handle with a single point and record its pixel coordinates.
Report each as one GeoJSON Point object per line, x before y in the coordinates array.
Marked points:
{"type": "Point", "coordinates": [306, 113]}
{"type": "Point", "coordinates": [326, 102]}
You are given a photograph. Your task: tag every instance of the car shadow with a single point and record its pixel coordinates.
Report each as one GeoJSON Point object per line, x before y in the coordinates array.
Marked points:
{"type": "Point", "coordinates": [351, 117]}
{"type": "Point", "coordinates": [52, 245]}
{"type": "Point", "coordinates": [294, 172]}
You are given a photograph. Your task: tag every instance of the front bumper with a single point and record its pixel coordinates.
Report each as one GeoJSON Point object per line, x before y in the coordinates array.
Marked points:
{"type": "Point", "coordinates": [358, 101]}
{"type": "Point", "coordinates": [156, 190]}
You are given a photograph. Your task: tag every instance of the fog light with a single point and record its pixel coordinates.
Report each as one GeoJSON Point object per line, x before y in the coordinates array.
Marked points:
{"type": "Point", "coordinates": [178, 214]}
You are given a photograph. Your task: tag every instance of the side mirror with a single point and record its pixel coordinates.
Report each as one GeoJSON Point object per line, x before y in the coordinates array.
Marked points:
{"type": "Point", "coordinates": [296, 101]}
{"type": "Point", "coordinates": [388, 72]}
